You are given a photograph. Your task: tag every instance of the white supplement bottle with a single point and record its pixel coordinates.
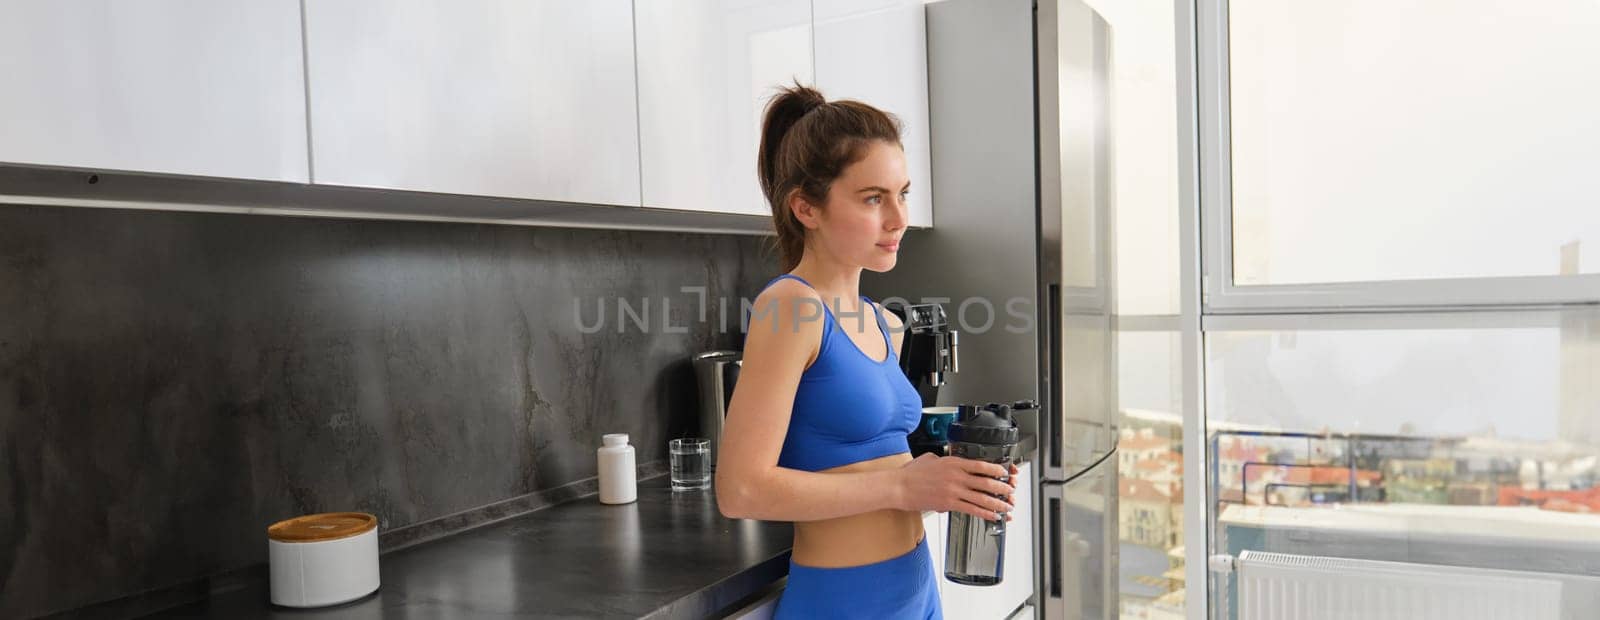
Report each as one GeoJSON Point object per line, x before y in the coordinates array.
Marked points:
{"type": "Point", "coordinates": [617, 484]}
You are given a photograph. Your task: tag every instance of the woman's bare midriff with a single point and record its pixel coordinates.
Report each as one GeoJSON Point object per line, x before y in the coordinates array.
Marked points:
{"type": "Point", "coordinates": [859, 539]}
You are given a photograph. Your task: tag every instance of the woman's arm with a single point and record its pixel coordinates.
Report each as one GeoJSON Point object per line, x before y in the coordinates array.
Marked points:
{"type": "Point", "coordinates": [784, 334]}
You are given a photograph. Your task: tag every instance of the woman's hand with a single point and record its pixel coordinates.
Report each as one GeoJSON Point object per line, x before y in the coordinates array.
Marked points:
{"type": "Point", "coordinates": [1012, 467]}
{"type": "Point", "coordinates": [932, 482]}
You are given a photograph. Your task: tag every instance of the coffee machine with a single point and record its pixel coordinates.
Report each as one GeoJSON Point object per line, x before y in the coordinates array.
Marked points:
{"type": "Point", "coordinates": [928, 350]}
{"type": "Point", "coordinates": [928, 354]}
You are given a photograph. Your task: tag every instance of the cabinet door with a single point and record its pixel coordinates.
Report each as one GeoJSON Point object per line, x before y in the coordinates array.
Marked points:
{"type": "Point", "coordinates": [876, 51]}
{"type": "Point", "coordinates": [934, 532]}
{"type": "Point", "coordinates": [706, 71]}
{"type": "Point", "coordinates": [516, 98]}
{"type": "Point", "coordinates": [1019, 573]}
{"type": "Point", "coordinates": [197, 88]}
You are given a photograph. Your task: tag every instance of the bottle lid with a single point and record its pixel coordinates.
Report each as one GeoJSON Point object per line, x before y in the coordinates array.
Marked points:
{"type": "Point", "coordinates": [991, 424]}
{"type": "Point", "coordinates": [324, 526]}
{"type": "Point", "coordinates": [614, 439]}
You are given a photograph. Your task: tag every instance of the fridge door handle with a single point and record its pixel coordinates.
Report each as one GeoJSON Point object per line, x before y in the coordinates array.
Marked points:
{"type": "Point", "coordinates": [1054, 381]}
{"type": "Point", "coordinates": [1053, 564]}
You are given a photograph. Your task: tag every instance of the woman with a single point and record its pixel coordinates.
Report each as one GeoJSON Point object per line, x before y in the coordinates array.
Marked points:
{"type": "Point", "coordinates": [816, 429]}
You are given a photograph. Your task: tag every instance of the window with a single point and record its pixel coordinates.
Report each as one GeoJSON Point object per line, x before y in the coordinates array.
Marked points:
{"type": "Point", "coordinates": [1378, 141]}
{"type": "Point", "coordinates": [1401, 358]}
{"type": "Point", "coordinates": [1144, 240]}
{"type": "Point", "coordinates": [1462, 446]}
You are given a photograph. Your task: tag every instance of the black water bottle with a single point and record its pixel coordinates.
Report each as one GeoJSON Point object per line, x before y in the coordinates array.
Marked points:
{"type": "Point", "coordinates": [975, 549]}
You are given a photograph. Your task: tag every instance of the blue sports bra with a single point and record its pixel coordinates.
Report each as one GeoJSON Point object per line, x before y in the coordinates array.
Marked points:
{"type": "Point", "coordinates": [849, 407]}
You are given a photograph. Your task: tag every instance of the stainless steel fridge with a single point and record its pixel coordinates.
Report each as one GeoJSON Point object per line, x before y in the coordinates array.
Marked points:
{"type": "Point", "coordinates": [1020, 254]}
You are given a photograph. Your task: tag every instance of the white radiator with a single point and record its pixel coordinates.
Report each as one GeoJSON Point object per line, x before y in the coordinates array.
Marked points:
{"type": "Point", "coordinates": [1280, 586]}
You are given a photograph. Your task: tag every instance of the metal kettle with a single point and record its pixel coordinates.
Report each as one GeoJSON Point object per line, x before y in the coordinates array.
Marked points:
{"type": "Point", "coordinates": [715, 372]}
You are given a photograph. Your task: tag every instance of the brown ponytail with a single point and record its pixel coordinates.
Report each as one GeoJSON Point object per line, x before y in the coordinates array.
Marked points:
{"type": "Point", "coordinates": [806, 143]}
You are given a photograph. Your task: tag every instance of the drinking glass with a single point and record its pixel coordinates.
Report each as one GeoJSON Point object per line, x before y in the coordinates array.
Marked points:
{"type": "Point", "coordinates": [691, 463]}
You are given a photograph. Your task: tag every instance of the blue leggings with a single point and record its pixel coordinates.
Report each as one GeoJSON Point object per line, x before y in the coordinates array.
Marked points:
{"type": "Point", "coordinates": [900, 587]}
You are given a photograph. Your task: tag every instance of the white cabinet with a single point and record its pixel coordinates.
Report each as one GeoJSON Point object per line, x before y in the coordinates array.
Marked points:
{"type": "Point", "coordinates": [195, 88]}
{"type": "Point", "coordinates": [1019, 573]}
{"type": "Point", "coordinates": [933, 528]}
{"type": "Point", "coordinates": [515, 98]}
{"type": "Point", "coordinates": [876, 51]}
{"type": "Point", "coordinates": [1016, 584]}
{"type": "Point", "coordinates": [618, 102]}
{"type": "Point", "coordinates": [706, 70]}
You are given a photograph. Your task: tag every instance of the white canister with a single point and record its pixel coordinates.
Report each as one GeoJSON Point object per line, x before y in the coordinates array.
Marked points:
{"type": "Point", "coordinates": [617, 480]}
{"type": "Point", "coordinates": [323, 559]}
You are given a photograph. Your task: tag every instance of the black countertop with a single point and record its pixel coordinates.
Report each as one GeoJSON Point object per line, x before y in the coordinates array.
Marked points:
{"type": "Point", "coordinates": [668, 555]}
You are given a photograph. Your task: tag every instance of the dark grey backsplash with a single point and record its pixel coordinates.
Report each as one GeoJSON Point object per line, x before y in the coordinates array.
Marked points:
{"type": "Point", "coordinates": [172, 383]}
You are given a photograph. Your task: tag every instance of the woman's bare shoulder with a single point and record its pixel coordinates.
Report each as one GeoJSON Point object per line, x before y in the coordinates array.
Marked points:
{"type": "Point", "coordinates": [786, 303]}
{"type": "Point", "coordinates": [787, 288]}
{"type": "Point", "coordinates": [787, 316]}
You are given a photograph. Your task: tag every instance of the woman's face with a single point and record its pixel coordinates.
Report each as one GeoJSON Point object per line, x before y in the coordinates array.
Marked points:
{"type": "Point", "coordinates": [865, 215]}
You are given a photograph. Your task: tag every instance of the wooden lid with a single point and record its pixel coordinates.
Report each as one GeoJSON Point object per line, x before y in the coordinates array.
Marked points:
{"type": "Point", "coordinates": [324, 526]}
